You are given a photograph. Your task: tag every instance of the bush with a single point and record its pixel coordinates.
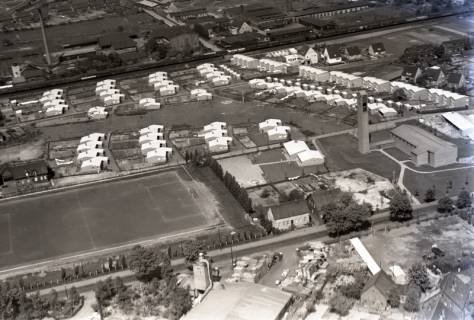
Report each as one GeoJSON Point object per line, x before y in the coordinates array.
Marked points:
{"type": "Point", "coordinates": [445, 204]}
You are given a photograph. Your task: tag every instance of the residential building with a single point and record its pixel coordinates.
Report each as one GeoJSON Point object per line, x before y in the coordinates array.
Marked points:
{"type": "Point", "coordinates": [434, 77]}
{"type": "Point", "coordinates": [290, 214]}
{"type": "Point", "coordinates": [352, 53]}
{"type": "Point", "coordinates": [311, 56]}
{"type": "Point", "coordinates": [149, 137]}
{"type": "Point", "coordinates": [269, 124]}
{"type": "Point", "coordinates": [293, 147]}
{"type": "Point", "coordinates": [375, 294]}
{"type": "Point", "coordinates": [214, 134]}
{"type": "Point", "coordinates": [461, 123]}
{"type": "Point", "coordinates": [178, 38]}
{"type": "Point", "coordinates": [216, 125]}
{"type": "Point", "coordinates": [411, 74]}
{"type": "Point", "coordinates": [219, 144]}
{"type": "Point", "coordinates": [152, 145]}
{"type": "Point", "coordinates": [332, 55]}
{"type": "Point", "coordinates": [97, 113]}
{"type": "Point", "coordinates": [89, 154]}
{"type": "Point", "coordinates": [423, 147]}
{"type": "Point", "coordinates": [95, 164]}
{"type": "Point", "coordinates": [310, 158]}
{"type": "Point", "coordinates": [153, 128]}
{"type": "Point", "coordinates": [456, 81]}
{"type": "Point", "coordinates": [243, 301]}
{"type": "Point", "coordinates": [278, 133]}
{"type": "Point", "coordinates": [25, 173]}
{"type": "Point", "coordinates": [83, 147]}
{"type": "Point", "coordinates": [158, 156]}
{"type": "Point", "coordinates": [455, 46]}
{"type": "Point", "coordinates": [377, 49]}
{"type": "Point", "coordinates": [93, 137]}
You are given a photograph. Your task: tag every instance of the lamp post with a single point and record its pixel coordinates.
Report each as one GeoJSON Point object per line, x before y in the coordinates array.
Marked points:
{"type": "Point", "coordinates": [231, 252]}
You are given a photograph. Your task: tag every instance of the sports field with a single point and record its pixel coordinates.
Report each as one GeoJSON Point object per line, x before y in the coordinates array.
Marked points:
{"type": "Point", "coordinates": [100, 216]}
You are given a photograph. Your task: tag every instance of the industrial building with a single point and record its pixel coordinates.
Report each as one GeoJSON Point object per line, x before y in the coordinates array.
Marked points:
{"type": "Point", "coordinates": [242, 301]}
{"type": "Point", "coordinates": [461, 123]}
{"type": "Point", "coordinates": [423, 147]}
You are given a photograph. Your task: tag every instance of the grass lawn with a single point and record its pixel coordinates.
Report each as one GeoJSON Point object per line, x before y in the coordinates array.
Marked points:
{"type": "Point", "coordinates": [274, 155]}
{"type": "Point", "coordinates": [342, 154]}
{"type": "Point", "coordinates": [421, 182]}
{"type": "Point", "coordinates": [102, 215]}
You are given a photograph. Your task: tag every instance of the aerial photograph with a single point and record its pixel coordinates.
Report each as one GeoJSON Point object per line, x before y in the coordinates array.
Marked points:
{"type": "Point", "coordinates": [237, 159]}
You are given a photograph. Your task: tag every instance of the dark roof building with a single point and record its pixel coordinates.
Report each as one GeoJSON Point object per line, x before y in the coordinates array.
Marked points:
{"type": "Point", "coordinates": [376, 48]}
{"type": "Point", "coordinates": [260, 16]}
{"type": "Point", "coordinates": [318, 24]}
{"type": "Point", "coordinates": [184, 15]}
{"type": "Point", "coordinates": [243, 40]}
{"type": "Point", "coordinates": [411, 73]}
{"type": "Point", "coordinates": [376, 292]}
{"type": "Point", "coordinates": [289, 214]}
{"type": "Point", "coordinates": [32, 171]}
{"type": "Point", "coordinates": [294, 32]}
{"type": "Point", "coordinates": [120, 42]}
{"type": "Point", "coordinates": [329, 11]}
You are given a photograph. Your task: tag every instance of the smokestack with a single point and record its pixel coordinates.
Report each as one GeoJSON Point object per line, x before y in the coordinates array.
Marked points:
{"type": "Point", "coordinates": [363, 123]}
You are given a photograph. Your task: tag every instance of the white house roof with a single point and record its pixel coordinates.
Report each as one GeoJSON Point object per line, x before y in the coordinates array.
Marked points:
{"type": "Point", "coordinates": [90, 153]}
{"type": "Point", "coordinates": [92, 137]}
{"type": "Point", "coordinates": [146, 100]}
{"type": "Point", "coordinates": [150, 137]}
{"type": "Point", "coordinates": [294, 147]}
{"type": "Point", "coordinates": [220, 141]}
{"type": "Point", "coordinates": [158, 74]}
{"type": "Point", "coordinates": [106, 82]}
{"type": "Point", "coordinates": [278, 130]}
{"type": "Point", "coordinates": [94, 162]}
{"type": "Point", "coordinates": [269, 123]}
{"type": "Point", "coordinates": [216, 125]}
{"type": "Point", "coordinates": [459, 121]}
{"type": "Point", "coordinates": [153, 128]}
{"type": "Point", "coordinates": [365, 256]}
{"type": "Point", "coordinates": [159, 152]}
{"type": "Point", "coordinates": [309, 155]}
{"type": "Point", "coordinates": [155, 144]}
{"type": "Point", "coordinates": [214, 134]}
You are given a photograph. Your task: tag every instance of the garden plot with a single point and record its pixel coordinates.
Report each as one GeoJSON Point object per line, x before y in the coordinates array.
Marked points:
{"type": "Point", "coordinates": [406, 245]}
{"type": "Point", "coordinates": [365, 186]}
{"type": "Point", "coordinates": [264, 197]}
{"type": "Point", "coordinates": [63, 150]}
{"type": "Point", "coordinates": [126, 150]}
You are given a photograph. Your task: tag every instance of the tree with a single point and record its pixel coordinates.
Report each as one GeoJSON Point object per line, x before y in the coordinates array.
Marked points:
{"type": "Point", "coordinates": [192, 249]}
{"type": "Point", "coordinates": [74, 296]}
{"type": "Point", "coordinates": [266, 224]}
{"type": "Point", "coordinates": [463, 200]}
{"type": "Point", "coordinates": [412, 302]}
{"type": "Point", "coordinates": [351, 218]}
{"type": "Point", "coordinates": [400, 207]}
{"type": "Point", "coordinates": [445, 204]}
{"type": "Point", "coordinates": [430, 195]}
{"type": "Point", "coordinates": [340, 304]}
{"type": "Point", "coordinates": [394, 298]}
{"type": "Point", "coordinates": [148, 263]}
{"type": "Point", "coordinates": [295, 194]}
{"type": "Point", "coordinates": [418, 275]}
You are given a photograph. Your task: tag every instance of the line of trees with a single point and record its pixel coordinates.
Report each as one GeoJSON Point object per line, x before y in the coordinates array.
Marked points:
{"type": "Point", "coordinates": [231, 183]}
{"type": "Point", "coordinates": [15, 304]}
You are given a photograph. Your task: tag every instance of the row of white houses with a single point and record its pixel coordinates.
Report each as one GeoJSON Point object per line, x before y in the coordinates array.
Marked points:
{"type": "Point", "coordinates": [216, 136]}
{"type": "Point", "coordinates": [412, 92]}
{"type": "Point", "coordinates": [53, 103]}
{"type": "Point", "coordinates": [108, 93]}
{"type": "Point", "coordinates": [153, 145]}
{"type": "Point", "coordinates": [161, 83]}
{"type": "Point", "coordinates": [149, 104]}
{"type": "Point", "coordinates": [264, 65]}
{"type": "Point", "coordinates": [200, 94]}
{"type": "Point", "coordinates": [91, 154]}
{"type": "Point", "coordinates": [97, 113]}
{"type": "Point", "coordinates": [212, 74]}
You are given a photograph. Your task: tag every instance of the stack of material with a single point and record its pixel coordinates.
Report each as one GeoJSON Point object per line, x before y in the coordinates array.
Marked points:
{"type": "Point", "coordinates": [97, 113]}
{"type": "Point", "coordinates": [250, 269]}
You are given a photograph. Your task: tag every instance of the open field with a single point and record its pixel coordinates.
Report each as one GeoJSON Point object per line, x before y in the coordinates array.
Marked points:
{"type": "Point", "coordinates": [102, 215]}
{"type": "Point", "coordinates": [342, 154]}
{"type": "Point", "coordinates": [406, 245]}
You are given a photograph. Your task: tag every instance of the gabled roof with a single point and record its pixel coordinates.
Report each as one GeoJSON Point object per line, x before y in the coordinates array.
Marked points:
{"type": "Point", "coordinates": [27, 169]}
{"type": "Point", "coordinates": [378, 47]}
{"type": "Point", "coordinates": [117, 41]}
{"type": "Point", "coordinates": [457, 287]}
{"type": "Point", "coordinates": [353, 51]}
{"type": "Point", "coordinates": [382, 282]}
{"type": "Point", "coordinates": [333, 52]}
{"type": "Point", "coordinates": [410, 71]}
{"type": "Point", "coordinates": [454, 78]}
{"type": "Point", "coordinates": [171, 32]}
{"type": "Point", "coordinates": [289, 209]}
{"type": "Point", "coordinates": [433, 73]}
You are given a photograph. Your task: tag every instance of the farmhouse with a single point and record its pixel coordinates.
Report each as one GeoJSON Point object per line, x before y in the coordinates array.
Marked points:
{"type": "Point", "coordinates": [376, 292]}
{"type": "Point", "coordinates": [311, 56]}
{"type": "Point", "coordinates": [434, 76]}
{"type": "Point", "coordinates": [289, 214]}
{"type": "Point", "coordinates": [423, 147]}
{"type": "Point", "coordinates": [220, 144]}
